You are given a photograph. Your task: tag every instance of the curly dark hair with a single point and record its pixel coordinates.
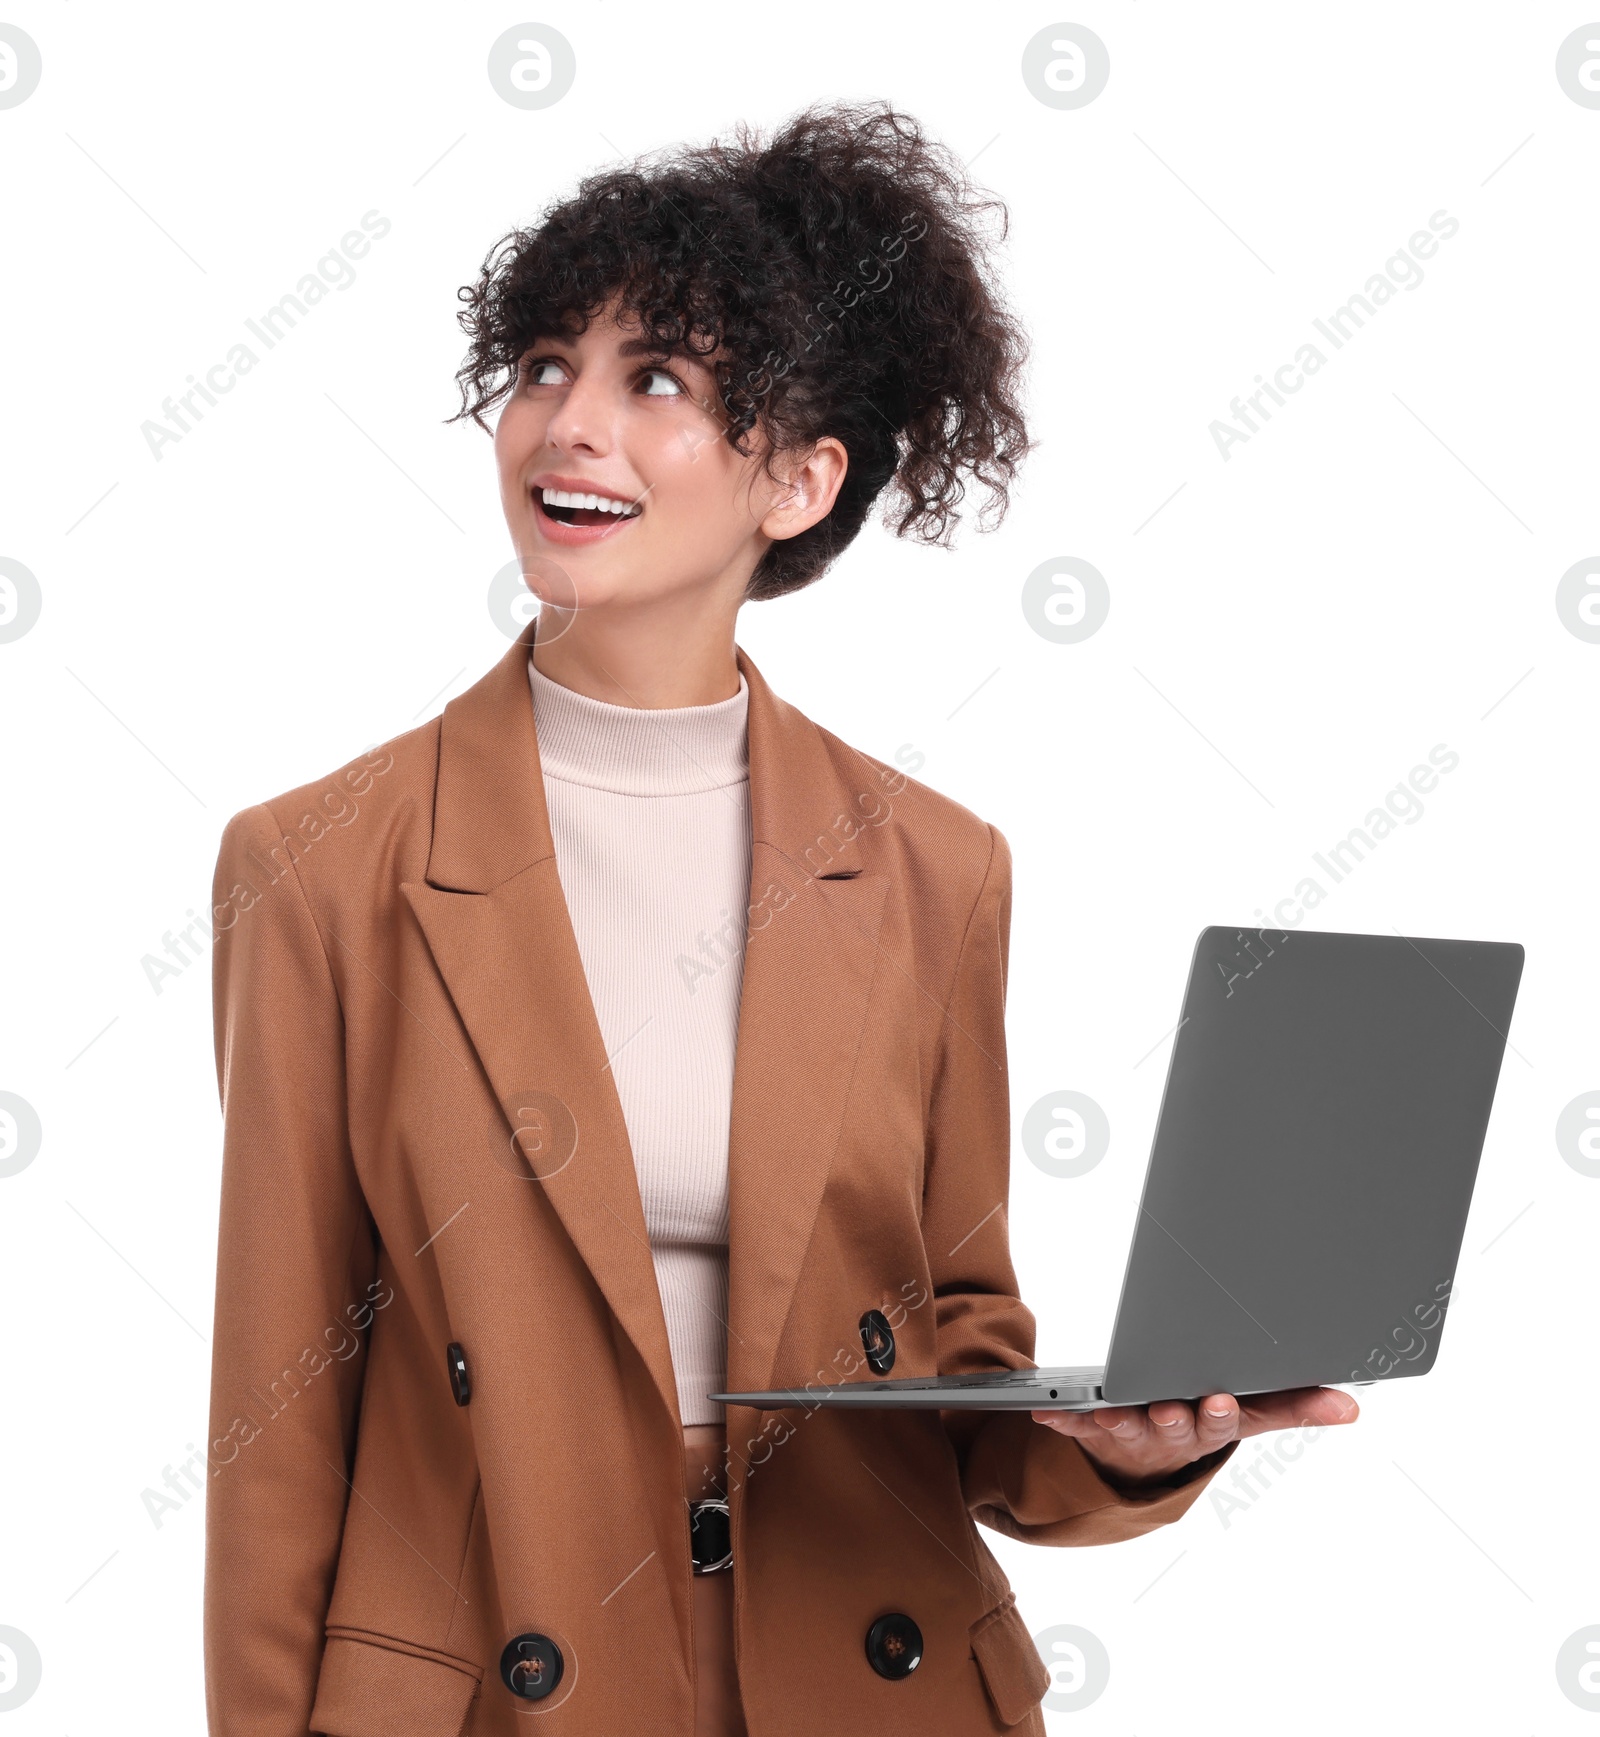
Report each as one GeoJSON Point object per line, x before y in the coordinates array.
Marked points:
{"type": "Point", "coordinates": [840, 269]}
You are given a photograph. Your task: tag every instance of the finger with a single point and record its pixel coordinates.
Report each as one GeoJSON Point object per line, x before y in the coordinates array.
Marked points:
{"type": "Point", "coordinates": [1172, 1426]}
{"type": "Point", "coordinates": [1218, 1420]}
{"type": "Point", "coordinates": [1127, 1425]}
{"type": "Point", "coordinates": [1298, 1408]}
{"type": "Point", "coordinates": [1073, 1423]}
{"type": "Point", "coordinates": [1123, 1424]}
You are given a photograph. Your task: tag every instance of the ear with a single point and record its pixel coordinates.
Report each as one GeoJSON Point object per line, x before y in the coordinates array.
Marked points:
{"type": "Point", "coordinates": [809, 486]}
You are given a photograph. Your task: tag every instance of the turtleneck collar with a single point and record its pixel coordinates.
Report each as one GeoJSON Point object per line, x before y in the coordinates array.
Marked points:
{"type": "Point", "coordinates": [639, 751]}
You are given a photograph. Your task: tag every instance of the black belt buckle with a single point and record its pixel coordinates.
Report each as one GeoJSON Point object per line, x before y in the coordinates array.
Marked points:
{"type": "Point", "coordinates": [710, 1535]}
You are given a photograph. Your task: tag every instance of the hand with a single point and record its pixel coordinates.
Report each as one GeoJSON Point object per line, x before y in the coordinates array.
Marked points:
{"type": "Point", "coordinates": [1141, 1445]}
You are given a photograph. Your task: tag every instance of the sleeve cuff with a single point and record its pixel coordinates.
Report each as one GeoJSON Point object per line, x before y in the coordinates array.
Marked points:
{"type": "Point", "coordinates": [1148, 1489]}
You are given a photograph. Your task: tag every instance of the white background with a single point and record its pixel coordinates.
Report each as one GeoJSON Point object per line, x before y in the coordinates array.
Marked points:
{"type": "Point", "coordinates": [1291, 629]}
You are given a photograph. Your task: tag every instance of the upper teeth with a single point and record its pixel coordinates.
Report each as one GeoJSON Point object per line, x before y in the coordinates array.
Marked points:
{"type": "Point", "coordinates": [600, 503]}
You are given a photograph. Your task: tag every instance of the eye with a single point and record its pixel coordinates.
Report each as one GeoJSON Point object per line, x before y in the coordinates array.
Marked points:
{"type": "Point", "coordinates": [530, 369]}
{"type": "Point", "coordinates": [662, 374]}
{"type": "Point", "coordinates": [532, 376]}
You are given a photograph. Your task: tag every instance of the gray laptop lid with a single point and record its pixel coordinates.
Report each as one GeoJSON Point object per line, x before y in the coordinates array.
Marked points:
{"type": "Point", "coordinates": [1326, 1103]}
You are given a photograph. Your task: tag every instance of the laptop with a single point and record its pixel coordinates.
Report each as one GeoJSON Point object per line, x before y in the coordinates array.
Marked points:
{"type": "Point", "coordinates": [1326, 1103]}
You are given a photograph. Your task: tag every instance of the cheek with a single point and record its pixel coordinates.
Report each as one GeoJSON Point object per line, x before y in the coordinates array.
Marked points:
{"type": "Point", "coordinates": [517, 435]}
{"type": "Point", "coordinates": [697, 477]}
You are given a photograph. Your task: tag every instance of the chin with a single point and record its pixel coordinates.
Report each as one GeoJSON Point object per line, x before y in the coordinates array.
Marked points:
{"type": "Point", "coordinates": [593, 590]}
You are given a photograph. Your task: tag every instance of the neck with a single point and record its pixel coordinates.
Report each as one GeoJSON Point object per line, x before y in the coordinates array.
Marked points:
{"type": "Point", "coordinates": [639, 750]}
{"type": "Point", "coordinates": [668, 652]}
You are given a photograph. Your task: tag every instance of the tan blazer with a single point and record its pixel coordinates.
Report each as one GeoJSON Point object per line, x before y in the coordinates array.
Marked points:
{"type": "Point", "coordinates": [424, 1149]}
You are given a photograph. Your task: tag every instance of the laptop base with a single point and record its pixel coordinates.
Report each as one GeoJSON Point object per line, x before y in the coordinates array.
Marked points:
{"type": "Point", "coordinates": [1053, 1389]}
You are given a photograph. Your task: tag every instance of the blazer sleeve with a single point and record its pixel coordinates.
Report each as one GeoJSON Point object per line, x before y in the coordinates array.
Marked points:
{"type": "Point", "coordinates": [296, 1291]}
{"type": "Point", "coordinates": [1018, 1476]}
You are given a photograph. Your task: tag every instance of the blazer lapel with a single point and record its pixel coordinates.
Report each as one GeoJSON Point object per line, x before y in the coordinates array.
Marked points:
{"type": "Point", "coordinates": [810, 957]}
{"type": "Point", "coordinates": [496, 922]}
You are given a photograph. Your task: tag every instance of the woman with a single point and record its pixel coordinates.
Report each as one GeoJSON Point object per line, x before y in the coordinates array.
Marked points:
{"type": "Point", "coordinates": [622, 1037]}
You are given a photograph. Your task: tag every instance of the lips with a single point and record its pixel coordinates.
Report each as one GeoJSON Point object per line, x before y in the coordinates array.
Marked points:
{"type": "Point", "coordinates": [574, 536]}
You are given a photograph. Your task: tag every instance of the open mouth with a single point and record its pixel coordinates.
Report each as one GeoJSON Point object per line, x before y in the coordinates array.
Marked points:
{"type": "Point", "coordinates": [585, 512]}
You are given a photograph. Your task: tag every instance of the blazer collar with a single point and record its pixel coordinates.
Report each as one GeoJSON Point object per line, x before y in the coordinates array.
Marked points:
{"type": "Point", "coordinates": [496, 922]}
{"type": "Point", "coordinates": [491, 820]}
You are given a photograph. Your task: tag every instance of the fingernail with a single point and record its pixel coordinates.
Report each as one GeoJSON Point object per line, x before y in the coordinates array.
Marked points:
{"type": "Point", "coordinates": [1211, 1413]}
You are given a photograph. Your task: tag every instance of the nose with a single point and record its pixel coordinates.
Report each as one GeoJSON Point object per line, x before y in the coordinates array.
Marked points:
{"type": "Point", "coordinates": [584, 420]}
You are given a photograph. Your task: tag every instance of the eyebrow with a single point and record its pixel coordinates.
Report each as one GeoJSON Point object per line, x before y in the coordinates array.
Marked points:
{"type": "Point", "coordinates": [638, 347]}
{"type": "Point", "coordinates": [650, 347]}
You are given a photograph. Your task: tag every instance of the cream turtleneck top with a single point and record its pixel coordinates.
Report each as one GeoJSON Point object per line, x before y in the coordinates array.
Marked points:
{"type": "Point", "coordinates": [650, 815]}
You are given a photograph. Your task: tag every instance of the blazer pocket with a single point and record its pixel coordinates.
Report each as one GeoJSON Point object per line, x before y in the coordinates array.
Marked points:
{"type": "Point", "coordinates": [1013, 1673]}
{"type": "Point", "coordinates": [372, 1686]}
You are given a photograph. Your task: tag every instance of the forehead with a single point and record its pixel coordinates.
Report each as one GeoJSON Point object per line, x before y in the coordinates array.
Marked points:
{"type": "Point", "coordinates": [628, 340]}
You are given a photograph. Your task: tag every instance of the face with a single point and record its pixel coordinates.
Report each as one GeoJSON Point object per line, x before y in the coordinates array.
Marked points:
{"type": "Point", "coordinates": [603, 415]}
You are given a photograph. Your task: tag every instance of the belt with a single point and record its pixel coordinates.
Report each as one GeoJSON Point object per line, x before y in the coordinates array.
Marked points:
{"type": "Point", "coordinates": [710, 1535]}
